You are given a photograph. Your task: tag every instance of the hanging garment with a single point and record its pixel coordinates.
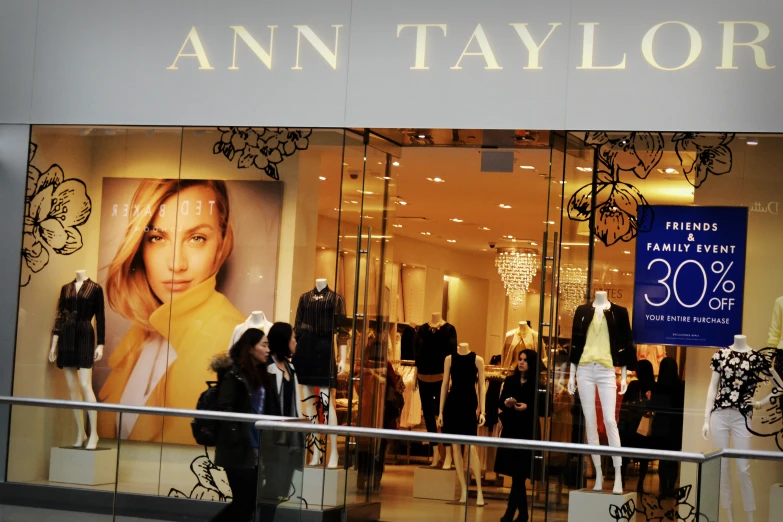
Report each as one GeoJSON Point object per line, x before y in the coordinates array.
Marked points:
{"type": "Point", "coordinates": [319, 315]}
{"type": "Point", "coordinates": [411, 412]}
{"type": "Point", "coordinates": [434, 344]}
{"type": "Point", "coordinates": [459, 412]}
{"type": "Point", "coordinates": [75, 311]}
{"type": "Point", "coordinates": [408, 343]}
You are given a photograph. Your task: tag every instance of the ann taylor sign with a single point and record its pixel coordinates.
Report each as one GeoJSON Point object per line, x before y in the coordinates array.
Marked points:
{"type": "Point", "coordinates": [485, 57]}
{"type": "Point", "coordinates": [699, 65]}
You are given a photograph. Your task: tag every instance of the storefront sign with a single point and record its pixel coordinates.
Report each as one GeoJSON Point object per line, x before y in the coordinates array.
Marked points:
{"type": "Point", "coordinates": [690, 276]}
{"type": "Point", "coordinates": [403, 64]}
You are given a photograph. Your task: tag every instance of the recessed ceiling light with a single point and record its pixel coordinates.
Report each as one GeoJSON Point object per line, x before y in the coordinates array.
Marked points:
{"type": "Point", "coordinates": [626, 252]}
{"type": "Point", "coordinates": [425, 233]}
{"type": "Point", "coordinates": [527, 167]}
{"type": "Point", "coordinates": [503, 205]}
{"type": "Point", "coordinates": [365, 192]}
{"type": "Point", "coordinates": [322, 178]}
{"type": "Point", "coordinates": [396, 163]}
{"type": "Point", "coordinates": [337, 209]}
{"type": "Point", "coordinates": [345, 164]}
{"type": "Point", "coordinates": [670, 170]}
{"type": "Point", "coordinates": [451, 240]}
{"type": "Point", "coordinates": [353, 202]}
{"type": "Point", "coordinates": [367, 217]}
{"type": "Point", "coordinates": [613, 270]}
{"type": "Point", "coordinates": [509, 237]}
{"type": "Point", "coordinates": [397, 226]}
{"type": "Point", "coordinates": [753, 142]}
{"type": "Point", "coordinates": [534, 243]}
{"type": "Point", "coordinates": [566, 248]}
{"type": "Point", "coordinates": [549, 222]}
{"type": "Point", "coordinates": [585, 169]}
{"type": "Point", "coordinates": [323, 248]}
{"type": "Point", "coordinates": [422, 136]}
{"type": "Point", "coordinates": [456, 220]}
{"type": "Point", "coordinates": [483, 228]}
{"type": "Point", "coordinates": [483, 249]}
{"type": "Point", "coordinates": [436, 180]}
{"type": "Point", "coordinates": [563, 182]}
{"type": "Point", "coordinates": [401, 202]}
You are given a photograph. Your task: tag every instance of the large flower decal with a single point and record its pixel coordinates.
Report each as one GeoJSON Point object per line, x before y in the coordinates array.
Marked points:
{"type": "Point", "coordinates": [660, 509]}
{"type": "Point", "coordinates": [54, 208]}
{"type": "Point", "coordinates": [620, 210]}
{"type": "Point", "coordinates": [768, 421]}
{"type": "Point", "coordinates": [703, 154]}
{"type": "Point", "coordinates": [211, 481]}
{"type": "Point", "coordinates": [263, 148]}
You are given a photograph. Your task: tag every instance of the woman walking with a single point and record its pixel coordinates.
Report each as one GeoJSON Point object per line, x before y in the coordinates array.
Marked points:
{"type": "Point", "coordinates": [243, 388]}
{"type": "Point", "coordinates": [516, 405]}
{"type": "Point", "coordinates": [281, 452]}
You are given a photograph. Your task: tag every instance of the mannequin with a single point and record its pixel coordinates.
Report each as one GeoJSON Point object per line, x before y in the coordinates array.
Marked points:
{"type": "Point", "coordinates": [256, 319]}
{"type": "Point", "coordinates": [725, 414]}
{"type": "Point", "coordinates": [521, 338]}
{"type": "Point", "coordinates": [458, 404]}
{"type": "Point", "coordinates": [434, 342]}
{"type": "Point", "coordinates": [320, 313]}
{"type": "Point", "coordinates": [601, 341]}
{"type": "Point", "coordinates": [76, 354]}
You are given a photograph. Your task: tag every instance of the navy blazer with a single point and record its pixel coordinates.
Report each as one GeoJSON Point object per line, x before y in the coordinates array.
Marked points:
{"type": "Point", "coordinates": [620, 337]}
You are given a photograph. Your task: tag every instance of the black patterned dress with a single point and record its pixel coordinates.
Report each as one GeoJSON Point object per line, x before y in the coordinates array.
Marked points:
{"type": "Point", "coordinates": [75, 311]}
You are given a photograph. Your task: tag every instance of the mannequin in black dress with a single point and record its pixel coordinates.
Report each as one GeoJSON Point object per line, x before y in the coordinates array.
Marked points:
{"type": "Point", "coordinates": [458, 409]}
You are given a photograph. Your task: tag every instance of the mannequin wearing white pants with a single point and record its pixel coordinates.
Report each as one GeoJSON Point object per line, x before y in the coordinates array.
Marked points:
{"type": "Point", "coordinates": [592, 376]}
{"type": "Point", "coordinates": [730, 431]}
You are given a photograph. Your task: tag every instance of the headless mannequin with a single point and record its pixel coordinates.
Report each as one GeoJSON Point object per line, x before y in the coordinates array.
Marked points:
{"type": "Point", "coordinates": [331, 415]}
{"type": "Point", "coordinates": [740, 345]}
{"type": "Point", "coordinates": [456, 450]}
{"type": "Point", "coordinates": [435, 322]}
{"type": "Point", "coordinates": [257, 319]}
{"type": "Point", "coordinates": [601, 304]}
{"type": "Point", "coordinates": [80, 385]}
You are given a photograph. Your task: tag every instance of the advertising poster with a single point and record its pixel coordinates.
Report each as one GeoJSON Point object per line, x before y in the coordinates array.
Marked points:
{"type": "Point", "coordinates": [690, 276]}
{"type": "Point", "coordinates": [182, 263]}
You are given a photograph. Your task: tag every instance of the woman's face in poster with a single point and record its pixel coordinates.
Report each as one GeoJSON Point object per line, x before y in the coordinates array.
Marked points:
{"type": "Point", "coordinates": [181, 246]}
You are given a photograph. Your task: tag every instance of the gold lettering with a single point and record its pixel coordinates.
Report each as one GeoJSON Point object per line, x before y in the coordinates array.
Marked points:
{"type": "Point", "coordinates": [533, 48]}
{"type": "Point", "coordinates": [198, 52]}
{"type": "Point", "coordinates": [729, 44]}
{"type": "Point", "coordinates": [318, 45]}
{"type": "Point", "coordinates": [649, 40]}
{"type": "Point", "coordinates": [588, 45]}
{"type": "Point", "coordinates": [421, 42]}
{"type": "Point", "coordinates": [486, 50]}
{"type": "Point", "coordinates": [254, 46]}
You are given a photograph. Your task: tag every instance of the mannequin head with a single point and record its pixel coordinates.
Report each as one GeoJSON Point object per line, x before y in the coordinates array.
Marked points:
{"type": "Point", "coordinates": [81, 275]}
{"type": "Point", "coordinates": [601, 299]}
{"type": "Point", "coordinates": [320, 284]}
{"type": "Point", "coordinates": [523, 325]}
{"type": "Point", "coordinates": [153, 264]}
{"type": "Point", "coordinates": [436, 317]}
{"type": "Point", "coordinates": [257, 318]}
{"type": "Point", "coordinates": [740, 343]}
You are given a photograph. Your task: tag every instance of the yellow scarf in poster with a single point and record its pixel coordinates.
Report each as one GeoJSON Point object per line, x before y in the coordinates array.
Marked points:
{"type": "Point", "coordinates": [198, 324]}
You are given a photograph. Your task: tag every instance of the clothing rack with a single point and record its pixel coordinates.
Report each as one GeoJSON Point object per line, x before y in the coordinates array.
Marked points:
{"type": "Point", "coordinates": [402, 362]}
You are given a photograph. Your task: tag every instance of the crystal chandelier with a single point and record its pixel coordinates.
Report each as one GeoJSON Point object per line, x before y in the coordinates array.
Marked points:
{"type": "Point", "coordinates": [573, 287]}
{"type": "Point", "coordinates": [517, 268]}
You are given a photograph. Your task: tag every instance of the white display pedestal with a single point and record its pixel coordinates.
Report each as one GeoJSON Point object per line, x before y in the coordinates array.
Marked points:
{"type": "Point", "coordinates": [586, 504]}
{"type": "Point", "coordinates": [435, 483]}
{"type": "Point", "coordinates": [327, 486]}
{"type": "Point", "coordinates": [84, 467]}
{"type": "Point", "coordinates": [775, 500]}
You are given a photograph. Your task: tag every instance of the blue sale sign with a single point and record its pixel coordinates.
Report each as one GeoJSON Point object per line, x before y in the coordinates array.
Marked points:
{"type": "Point", "coordinates": [690, 276]}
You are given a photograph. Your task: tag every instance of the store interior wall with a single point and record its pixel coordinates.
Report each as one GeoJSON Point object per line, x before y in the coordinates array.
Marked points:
{"type": "Point", "coordinates": [14, 140]}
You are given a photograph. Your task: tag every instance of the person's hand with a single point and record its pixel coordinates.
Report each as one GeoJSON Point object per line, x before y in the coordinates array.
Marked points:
{"type": "Point", "coordinates": [482, 419]}
{"type": "Point", "coordinates": [648, 394]}
{"type": "Point", "coordinates": [439, 421]}
{"type": "Point", "coordinates": [623, 387]}
{"type": "Point", "coordinates": [53, 354]}
{"type": "Point", "coordinates": [571, 386]}
{"type": "Point", "coordinates": [340, 368]}
{"type": "Point", "coordinates": [705, 430]}
{"type": "Point", "coordinates": [98, 353]}
{"type": "Point", "coordinates": [511, 401]}
{"type": "Point", "coordinates": [520, 406]}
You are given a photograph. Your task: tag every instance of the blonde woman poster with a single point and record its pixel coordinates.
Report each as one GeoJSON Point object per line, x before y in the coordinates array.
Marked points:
{"type": "Point", "coordinates": [182, 263]}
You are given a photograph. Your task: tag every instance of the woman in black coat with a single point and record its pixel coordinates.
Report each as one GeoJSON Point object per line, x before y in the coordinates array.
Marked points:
{"type": "Point", "coordinates": [667, 404]}
{"type": "Point", "coordinates": [517, 415]}
{"type": "Point", "coordinates": [243, 388]}
{"type": "Point", "coordinates": [635, 406]}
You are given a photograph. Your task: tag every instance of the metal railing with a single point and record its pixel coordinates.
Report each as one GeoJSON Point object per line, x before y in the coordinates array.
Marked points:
{"type": "Point", "coordinates": [270, 422]}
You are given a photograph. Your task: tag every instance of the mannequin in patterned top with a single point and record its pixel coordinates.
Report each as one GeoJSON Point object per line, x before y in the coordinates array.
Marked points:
{"type": "Point", "coordinates": [73, 347]}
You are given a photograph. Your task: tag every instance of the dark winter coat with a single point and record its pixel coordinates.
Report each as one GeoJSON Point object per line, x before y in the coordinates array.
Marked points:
{"type": "Point", "coordinates": [234, 446]}
{"type": "Point", "coordinates": [620, 337]}
{"type": "Point", "coordinates": [516, 425]}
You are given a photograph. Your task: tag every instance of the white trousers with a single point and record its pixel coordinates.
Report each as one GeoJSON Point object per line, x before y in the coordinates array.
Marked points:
{"type": "Point", "coordinates": [590, 377]}
{"type": "Point", "coordinates": [729, 431]}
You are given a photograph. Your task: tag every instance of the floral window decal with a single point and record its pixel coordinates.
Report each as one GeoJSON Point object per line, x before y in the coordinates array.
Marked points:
{"type": "Point", "coordinates": [621, 210]}
{"type": "Point", "coordinates": [54, 209]}
{"type": "Point", "coordinates": [261, 147]}
{"type": "Point", "coordinates": [666, 508]}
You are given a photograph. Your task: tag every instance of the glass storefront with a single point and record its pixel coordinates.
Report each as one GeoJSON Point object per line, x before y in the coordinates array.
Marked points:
{"type": "Point", "coordinates": [476, 244]}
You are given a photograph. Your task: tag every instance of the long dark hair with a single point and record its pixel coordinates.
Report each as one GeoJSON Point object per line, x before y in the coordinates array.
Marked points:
{"type": "Point", "coordinates": [668, 376]}
{"type": "Point", "coordinates": [251, 369]}
{"type": "Point", "coordinates": [531, 356]}
{"type": "Point", "coordinates": [279, 340]}
{"type": "Point", "coordinates": [645, 375]}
